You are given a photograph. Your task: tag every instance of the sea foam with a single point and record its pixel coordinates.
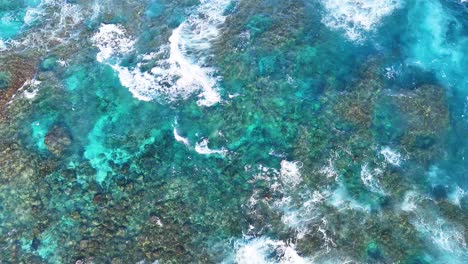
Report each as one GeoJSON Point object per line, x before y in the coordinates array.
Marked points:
{"type": "Point", "coordinates": [263, 250]}
{"type": "Point", "coordinates": [392, 157]}
{"type": "Point", "coordinates": [430, 23]}
{"type": "Point", "coordinates": [60, 22]}
{"type": "Point", "coordinates": [183, 72]}
{"type": "Point", "coordinates": [3, 45]}
{"type": "Point", "coordinates": [356, 17]}
{"type": "Point", "coordinates": [179, 138]}
{"type": "Point", "coordinates": [33, 88]}
{"type": "Point", "coordinates": [290, 172]}
{"type": "Point", "coordinates": [112, 40]}
{"type": "Point", "coordinates": [202, 148]}
{"type": "Point", "coordinates": [299, 208]}
{"type": "Point", "coordinates": [446, 236]}
{"type": "Point", "coordinates": [368, 178]}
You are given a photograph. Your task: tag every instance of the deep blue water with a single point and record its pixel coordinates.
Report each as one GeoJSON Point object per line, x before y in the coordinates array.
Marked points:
{"type": "Point", "coordinates": [233, 131]}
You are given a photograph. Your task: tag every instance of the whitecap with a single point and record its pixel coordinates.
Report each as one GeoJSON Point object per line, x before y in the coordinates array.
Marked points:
{"type": "Point", "coordinates": [112, 40]}
{"type": "Point", "coordinates": [181, 139]}
{"type": "Point", "coordinates": [341, 200]}
{"type": "Point", "coordinates": [446, 236]}
{"type": "Point", "coordinates": [202, 148]}
{"type": "Point", "coordinates": [300, 217]}
{"type": "Point", "coordinates": [32, 15]}
{"type": "Point", "coordinates": [329, 169]}
{"type": "Point", "coordinates": [255, 251]}
{"type": "Point", "coordinates": [263, 250]}
{"type": "Point", "coordinates": [95, 10]}
{"type": "Point", "coordinates": [191, 75]}
{"type": "Point", "coordinates": [369, 179]}
{"type": "Point", "coordinates": [70, 14]}
{"type": "Point", "coordinates": [60, 22]}
{"type": "Point", "coordinates": [410, 201]}
{"type": "Point", "coordinates": [140, 84]}
{"type": "Point", "coordinates": [299, 209]}
{"type": "Point", "coordinates": [3, 45]}
{"type": "Point", "coordinates": [392, 157]}
{"type": "Point", "coordinates": [183, 72]}
{"type": "Point", "coordinates": [32, 88]}
{"type": "Point", "coordinates": [356, 17]}
{"type": "Point", "coordinates": [290, 172]}
{"type": "Point", "coordinates": [62, 63]}
{"type": "Point", "coordinates": [457, 195]}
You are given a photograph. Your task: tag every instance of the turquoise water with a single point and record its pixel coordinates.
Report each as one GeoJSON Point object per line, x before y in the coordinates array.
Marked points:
{"type": "Point", "coordinates": [233, 131]}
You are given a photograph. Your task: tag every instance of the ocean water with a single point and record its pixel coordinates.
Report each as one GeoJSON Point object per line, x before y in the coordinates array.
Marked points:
{"type": "Point", "coordinates": [233, 131]}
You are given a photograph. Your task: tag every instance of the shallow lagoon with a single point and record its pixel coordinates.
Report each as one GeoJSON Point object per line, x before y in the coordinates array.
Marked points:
{"type": "Point", "coordinates": [247, 131]}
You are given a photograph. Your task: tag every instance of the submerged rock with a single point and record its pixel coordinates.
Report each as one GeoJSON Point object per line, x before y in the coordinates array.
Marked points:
{"type": "Point", "coordinates": [58, 139]}
{"type": "Point", "coordinates": [49, 63]}
{"type": "Point", "coordinates": [5, 78]}
{"type": "Point", "coordinates": [439, 192]}
{"type": "Point", "coordinates": [427, 117]}
{"type": "Point", "coordinates": [374, 251]}
{"type": "Point", "coordinates": [14, 73]}
{"type": "Point", "coordinates": [14, 163]}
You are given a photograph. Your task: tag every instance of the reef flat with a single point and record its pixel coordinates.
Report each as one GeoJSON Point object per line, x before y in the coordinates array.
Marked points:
{"type": "Point", "coordinates": [234, 131]}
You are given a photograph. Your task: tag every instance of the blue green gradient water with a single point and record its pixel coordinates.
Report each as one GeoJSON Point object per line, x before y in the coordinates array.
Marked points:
{"type": "Point", "coordinates": [244, 131]}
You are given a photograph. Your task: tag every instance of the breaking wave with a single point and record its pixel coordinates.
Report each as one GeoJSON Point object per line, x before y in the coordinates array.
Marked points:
{"type": "Point", "coordinates": [357, 17]}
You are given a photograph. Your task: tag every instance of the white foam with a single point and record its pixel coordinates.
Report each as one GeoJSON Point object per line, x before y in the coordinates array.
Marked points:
{"type": "Point", "coordinates": [70, 14]}
{"type": "Point", "coordinates": [392, 157]}
{"type": "Point", "coordinates": [391, 72]}
{"type": "Point", "coordinates": [183, 72]}
{"type": "Point", "coordinates": [181, 139]}
{"type": "Point", "coordinates": [32, 15]}
{"type": "Point", "coordinates": [264, 250]}
{"type": "Point", "coordinates": [328, 242]}
{"type": "Point", "coordinates": [290, 256]}
{"type": "Point", "coordinates": [142, 85]}
{"type": "Point", "coordinates": [112, 40]}
{"type": "Point", "coordinates": [33, 88]}
{"type": "Point", "coordinates": [60, 22]}
{"type": "Point", "coordinates": [356, 17]}
{"type": "Point", "coordinates": [96, 10]}
{"type": "Point", "coordinates": [443, 234]}
{"type": "Point", "coordinates": [202, 148]}
{"type": "Point", "coordinates": [306, 214]}
{"type": "Point", "coordinates": [329, 169]}
{"type": "Point", "coordinates": [3, 45]}
{"type": "Point", "coordinates": [369, 179]}
{"type": "Point", "coordinates": [456, 195]}
{"type": "Point", "coordinates": [290, 172]}
{"type": "Point", "coordinates": [62, 63]}
{"type": "Point", "coordinates": [409, 203]}
{"type": "Point", "coordinates": [255, 251]}
{"type": "Point", "coordinates": [447, 238]}
{"type": "Point", "coordinates": [341, 200]}
{"type": "Point", "coordinates": [299, 208]}
{"type": "Point", "coordinates": [191, 76]}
